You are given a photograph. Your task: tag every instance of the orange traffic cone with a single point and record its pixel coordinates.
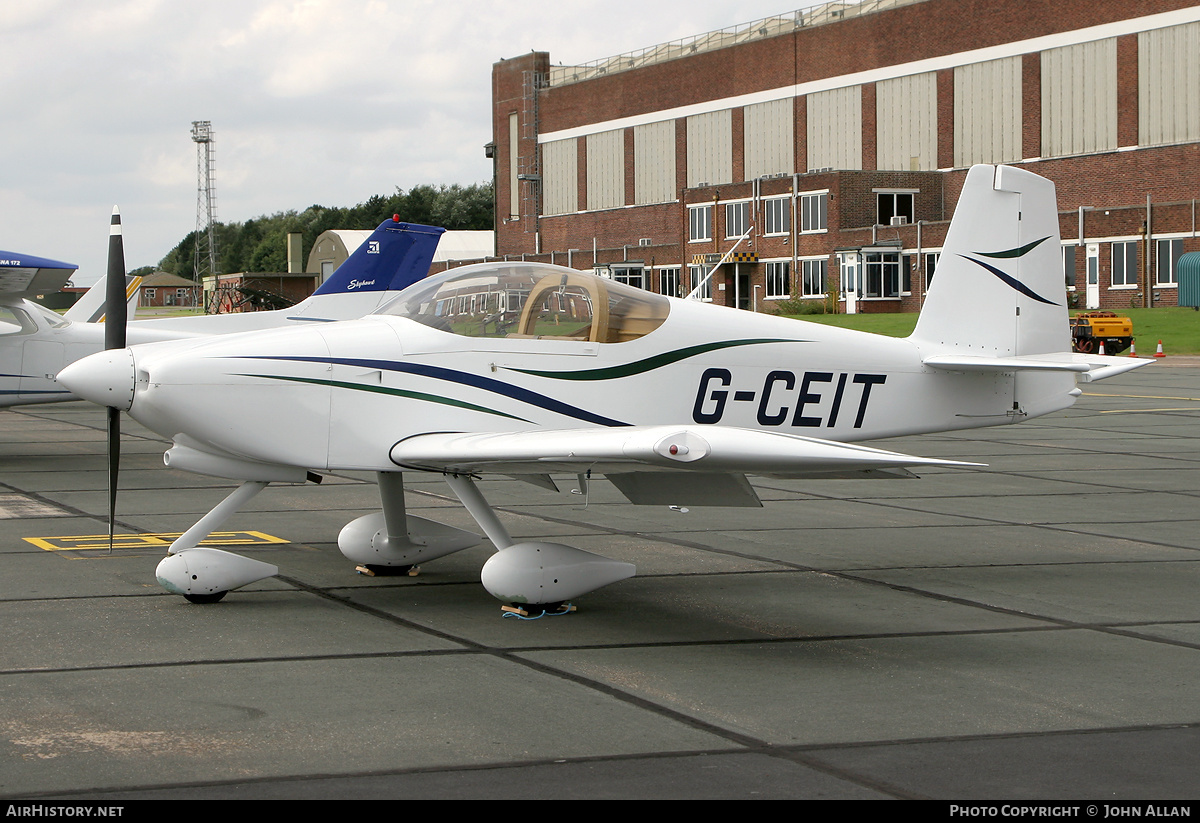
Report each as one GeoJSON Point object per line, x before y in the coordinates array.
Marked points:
{"type": "Point", "coordinates": [1133, 348]}
{"type": "Point", "coordinates": [1159, 353]}
{"type": "Point", "coordinates": [1101, 352]}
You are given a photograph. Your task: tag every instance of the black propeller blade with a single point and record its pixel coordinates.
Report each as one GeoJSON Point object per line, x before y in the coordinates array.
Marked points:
{"type": "Point", "coordinates": [115, 317]}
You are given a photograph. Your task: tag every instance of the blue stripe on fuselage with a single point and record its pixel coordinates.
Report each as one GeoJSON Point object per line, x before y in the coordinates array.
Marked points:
{"type": "Point", "coordinates": [463, 378]}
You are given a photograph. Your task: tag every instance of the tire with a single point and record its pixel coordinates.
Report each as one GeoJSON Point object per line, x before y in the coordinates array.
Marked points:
{"type": "Point", "coordinates": [205, 598]}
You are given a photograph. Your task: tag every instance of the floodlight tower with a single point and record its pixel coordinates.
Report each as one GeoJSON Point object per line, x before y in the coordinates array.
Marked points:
{"type": "Point", "coordinates": [205, 260]}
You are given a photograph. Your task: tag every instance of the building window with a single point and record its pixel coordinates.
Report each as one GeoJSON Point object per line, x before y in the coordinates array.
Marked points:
{"type": "Point", "coordinates": [150, 293]}
{"type": "Point", "coordinates": [697, 274]}
{"type": "Point", "coordinates": [1068, 262]}
{"type": "Point", "coordinates": [882, 277]}
{"type": "Point", "coordinates": [1124, 264]}
{"type": "Point", "coordinates": [814, 210]}
{"type": "Point", "coordinates": [779, 280]}
{"type": "Point", "coordinates": [778, 215]}
{"type": "Point", "coordinates": [1166, 261]}
{"type": "Point", "coordinates": [931, 261]}
{"type": "Point", "coordinates": [630, 275]}
{"type": "Point", "coordinates": [894, 204]}
{"type": "Point", "coordinates": [700, 223]}
{"type": "Point", "coordinates": [668, 282]}
{"type": "Point", "coordinates": [737, 219]}
{"type": "Point", "coordinates": [814, 277]}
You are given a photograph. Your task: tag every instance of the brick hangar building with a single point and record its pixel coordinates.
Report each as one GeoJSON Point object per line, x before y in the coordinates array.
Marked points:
{"type": "Point", "coordinates": [839, 137]}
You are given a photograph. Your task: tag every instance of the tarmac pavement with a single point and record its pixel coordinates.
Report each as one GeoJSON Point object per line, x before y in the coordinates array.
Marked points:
{"type": "Point", "coordinates": [1026, 631]}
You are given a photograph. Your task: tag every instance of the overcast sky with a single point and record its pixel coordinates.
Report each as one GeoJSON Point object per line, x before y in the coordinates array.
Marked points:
{"type": "Point", "coordinates": [311, 101]}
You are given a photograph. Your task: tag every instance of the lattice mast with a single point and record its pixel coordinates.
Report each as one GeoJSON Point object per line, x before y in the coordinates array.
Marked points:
{"type": "Point", "coordinates": [205, 259]}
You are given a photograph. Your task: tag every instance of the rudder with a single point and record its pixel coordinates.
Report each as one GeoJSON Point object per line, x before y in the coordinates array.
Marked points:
{"type": "Point", "coordinates": [999, 289]}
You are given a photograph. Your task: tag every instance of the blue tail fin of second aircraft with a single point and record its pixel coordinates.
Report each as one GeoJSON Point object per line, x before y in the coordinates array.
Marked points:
{"type": "Point", "coordinates": [395, 256]}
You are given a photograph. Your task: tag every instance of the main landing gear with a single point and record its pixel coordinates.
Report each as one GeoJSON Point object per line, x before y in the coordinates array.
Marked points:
{"type": "Point", "coordinates": [538, 576]}
{"type": "Point", "coordinates": [533, 578]}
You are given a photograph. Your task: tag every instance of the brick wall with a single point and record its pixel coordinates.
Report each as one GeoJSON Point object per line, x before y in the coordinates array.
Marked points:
{"type": "Point", "coordinates": [1115, 183]}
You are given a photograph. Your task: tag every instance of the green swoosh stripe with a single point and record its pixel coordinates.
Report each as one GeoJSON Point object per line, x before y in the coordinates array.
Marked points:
{"type": "Point", "coordinates": [649, 363]}
{"type": "Point", "coordinates": [411, 395]}
{"type": "Point", "coordinates": [1021, 252]}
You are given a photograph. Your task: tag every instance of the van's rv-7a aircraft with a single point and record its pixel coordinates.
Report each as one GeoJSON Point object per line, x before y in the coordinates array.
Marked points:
{"type": "Point", "coordinates": [35, 343]}
{"type": "Point", "coordinates": [530, 370]}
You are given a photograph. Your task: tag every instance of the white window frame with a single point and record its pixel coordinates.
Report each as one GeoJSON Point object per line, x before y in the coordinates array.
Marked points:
{"type": "Point", "coordinates": [737, 219]}
{"type": "Point", "coordinates": [696, 273]}
{"type": "Point", "coordinates": [700, 217]}
{"type": "Point", "coordinates": [821, 200]}
{"type": "Point", "coordinates": [1172, 262]}
{"type": "Point", "coordinates": [669, 276]}
{"type": "Point", "coordinates": [1068, 269]}
{"type": "Point", "coordinates": [634, 276]}
{"type": "Point", "coordinates": [1122, 254]}
{"type": "Point", "coordinates": [778, 273]}
{"type": "Point", "coordinates": [806, 267]}
{"type": "Point", "coordinates": [929, 265]}
{"type": "Point", "coordinates": [872, 260]}
{"type": "Point", "coordinates": [894, 194]}
{"type": "Point", "coordinates": [776, 211]}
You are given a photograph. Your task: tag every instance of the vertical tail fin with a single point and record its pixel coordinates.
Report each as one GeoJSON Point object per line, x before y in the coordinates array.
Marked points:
{"type": "Point", "coordinates": [395, 256]}
{"type": "Point", "coordinates": [999, 289]}
{"type": "Point", "coordinates": [91, 307]}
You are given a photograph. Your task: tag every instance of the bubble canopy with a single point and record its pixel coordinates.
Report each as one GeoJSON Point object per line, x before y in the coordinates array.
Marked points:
{"type": "Point", "coordinates": [530, 301]}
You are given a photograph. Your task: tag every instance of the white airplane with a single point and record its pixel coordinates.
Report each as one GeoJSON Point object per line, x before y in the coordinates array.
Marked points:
{"type": "Point", "coordinates": [35, 343]}
{"type": "Point", "coordinates": [529, 370]}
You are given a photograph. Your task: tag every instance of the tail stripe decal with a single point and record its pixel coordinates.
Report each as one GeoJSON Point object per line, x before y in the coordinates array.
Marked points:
{"type": "Point", "coordinates": [1021, 252]}
{"type": "Point", "coordinates": [1012, 281]}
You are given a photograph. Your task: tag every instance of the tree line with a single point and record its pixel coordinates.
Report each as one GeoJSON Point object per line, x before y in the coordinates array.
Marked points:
{"type": "Point", "coordinates": [260, 244]}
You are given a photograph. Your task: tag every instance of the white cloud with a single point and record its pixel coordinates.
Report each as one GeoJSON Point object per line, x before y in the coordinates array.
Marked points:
{"type": "Point", "coordinates": [312, 101]}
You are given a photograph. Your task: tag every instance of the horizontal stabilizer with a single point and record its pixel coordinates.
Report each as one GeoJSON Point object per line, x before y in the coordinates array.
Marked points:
{"type": "Point", "coordinates": [1102, 366]}
{"type": "Point", "coordinates": [1028, 362]}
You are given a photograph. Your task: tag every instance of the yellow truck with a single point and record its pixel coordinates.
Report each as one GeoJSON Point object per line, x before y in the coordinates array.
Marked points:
{"type": "Point", "coordinates": [1091, 328]}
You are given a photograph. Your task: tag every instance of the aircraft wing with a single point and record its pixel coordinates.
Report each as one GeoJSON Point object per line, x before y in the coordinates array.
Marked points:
{"type": "Point", "coordinates": [692, 465]}
{"type": "Point", "coordinates": [23, 276]}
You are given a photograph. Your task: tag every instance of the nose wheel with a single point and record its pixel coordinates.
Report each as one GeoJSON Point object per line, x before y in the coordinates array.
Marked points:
{"type": "Point", "coordinates": [215, 597]}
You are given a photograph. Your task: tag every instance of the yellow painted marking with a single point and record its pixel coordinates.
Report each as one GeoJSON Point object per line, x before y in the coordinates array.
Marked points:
{"type": "Point", "coordinates": [145, 541]}
{"type": "Point", "coordinates": [1143, 411]}
{"type": "Point", "coordinates": [134, 285]}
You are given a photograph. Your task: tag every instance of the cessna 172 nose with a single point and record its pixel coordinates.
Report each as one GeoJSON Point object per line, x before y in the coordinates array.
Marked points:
{"type": "Point", "coordinates": [35, 343]}
{"type": "Point", "coordinates": [529, 370]}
